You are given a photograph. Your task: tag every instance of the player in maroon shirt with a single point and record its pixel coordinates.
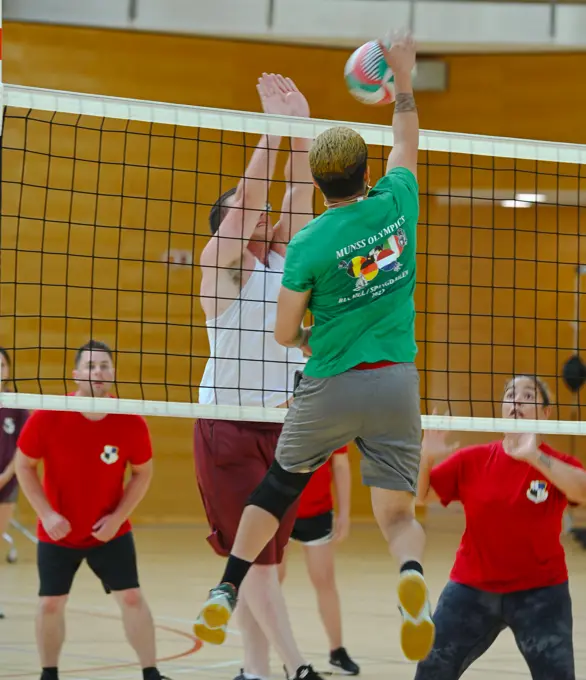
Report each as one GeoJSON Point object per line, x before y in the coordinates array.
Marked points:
{"type": "Point", "coordinates": [12, 421]}
{"type": "Point", "coordinates": [83, 507]}
{"type": "Point", "coordinates": [510, 569]}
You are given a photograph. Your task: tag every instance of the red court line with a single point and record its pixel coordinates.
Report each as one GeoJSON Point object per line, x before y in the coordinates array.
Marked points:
{"type": "Point", "coordinates": [197, 645]}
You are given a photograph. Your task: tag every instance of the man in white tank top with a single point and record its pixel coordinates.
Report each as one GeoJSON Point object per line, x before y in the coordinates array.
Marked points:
{"type": "Point", "coordinates": [242, 267]}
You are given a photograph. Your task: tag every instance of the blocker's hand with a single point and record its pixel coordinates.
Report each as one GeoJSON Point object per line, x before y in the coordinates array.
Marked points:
{"type": "Point", "coordinates": [279, 95]}
{"type": "Point", "coordinates": [56, 526]}
{"type": "Point", "coordinates": [435, 442]}
{"type": "Point", "coordinates": [521, 446]}
{"type": "Point", "coordinates": [106, 528]}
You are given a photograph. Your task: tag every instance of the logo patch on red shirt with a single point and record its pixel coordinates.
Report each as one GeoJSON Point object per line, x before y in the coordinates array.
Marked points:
{"type": "Point", "coordinates": [537, 491]}
{"type": "Point", "coordinates": [109, 455]}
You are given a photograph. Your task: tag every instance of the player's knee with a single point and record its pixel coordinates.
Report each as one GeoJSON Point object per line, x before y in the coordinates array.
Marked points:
{"type": "Point", "coordinates": [279, 490]}
{"type": "Point", "coordinates": [323, 578]}
{"type": "Point", "coordinates": [51, 605]}
{"type": "Point", "coordinates": [393, 507]}
{"type": "Point", "coordinates": [131, 598]}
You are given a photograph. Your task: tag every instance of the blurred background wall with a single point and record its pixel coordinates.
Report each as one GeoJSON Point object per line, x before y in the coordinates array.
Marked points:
{"type": "Point", "coordinates": [495, 68]}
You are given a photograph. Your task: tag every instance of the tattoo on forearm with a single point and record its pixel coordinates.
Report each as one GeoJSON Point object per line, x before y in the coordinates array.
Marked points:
{"type": "Point", "coordinates": [404, 103]}
{"type": "Point", "coordinates": [544, 460]}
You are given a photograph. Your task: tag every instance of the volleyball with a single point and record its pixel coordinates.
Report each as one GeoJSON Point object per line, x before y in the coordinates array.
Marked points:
{"type": "Point", "coordinates": [368, 76]}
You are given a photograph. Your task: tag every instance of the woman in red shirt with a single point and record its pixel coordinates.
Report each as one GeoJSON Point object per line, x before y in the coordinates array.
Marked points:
{"type": "Point", "coordinates": [510, 569]}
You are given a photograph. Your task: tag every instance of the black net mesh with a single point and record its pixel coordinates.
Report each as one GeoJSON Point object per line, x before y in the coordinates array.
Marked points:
{"type": "Point", "coordinates": [103, 221]}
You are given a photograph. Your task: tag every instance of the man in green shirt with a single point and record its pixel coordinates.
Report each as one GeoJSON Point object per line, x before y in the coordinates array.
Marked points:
{"type": "Point", "coordinates": [354, 269]}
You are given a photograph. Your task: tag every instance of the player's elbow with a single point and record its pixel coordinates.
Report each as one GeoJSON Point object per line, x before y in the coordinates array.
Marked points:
{"type": "Point", "coordinates": [283, 337]}
{"type": "Point", "coordinates": [143, 473]}
{"type": "Point", "coordinates": [577, 495]}
{"type": "Point", "coordinates": [287, 333]}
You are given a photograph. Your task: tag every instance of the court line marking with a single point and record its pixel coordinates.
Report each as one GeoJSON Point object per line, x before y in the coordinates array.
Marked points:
{"type": "Point", "coordinates": [100, 612]}
{"type": "Point", "coordinates": [196, 646]}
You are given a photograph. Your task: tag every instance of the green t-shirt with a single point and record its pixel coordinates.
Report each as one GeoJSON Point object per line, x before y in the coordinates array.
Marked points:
{"type": "Point", "coordinates": [359, 262]}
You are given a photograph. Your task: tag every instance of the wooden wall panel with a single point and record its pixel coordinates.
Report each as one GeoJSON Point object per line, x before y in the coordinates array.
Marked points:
{"type": "Point", "coordinates": [494, 270]}
{"type": "Point", "coordinates": [525, 95]}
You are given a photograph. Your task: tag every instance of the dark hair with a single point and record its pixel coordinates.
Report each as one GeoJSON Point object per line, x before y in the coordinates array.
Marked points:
{"type": "Point", "coordinates": [4, 353]}
{"type": "Point", "coordinates": [540, 386]}
{"type": "Point", "coordinates": [343, 185]}
{"type": "Point", "coordinates": [219, 210]}
{"type": "Point", "coordinates": [92, 345]}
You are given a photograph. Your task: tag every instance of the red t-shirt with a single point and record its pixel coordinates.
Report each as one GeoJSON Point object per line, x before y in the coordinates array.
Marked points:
{"type": "Point", "coordinates": [317, 498]}
{"type": "Point", "coordinates": [513, 519]}
{"type": "Point", "coordinates": [84, 463]}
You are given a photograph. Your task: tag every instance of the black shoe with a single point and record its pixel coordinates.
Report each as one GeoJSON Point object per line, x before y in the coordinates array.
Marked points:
{"type": "Point", "coordinates": [306, 673]}
{"type": "Point", "coordinates": [2, 614]}
{"type": "Point", "coordinates": [340, 660]}
{"type": "Point", "coordinates": [241, 676]}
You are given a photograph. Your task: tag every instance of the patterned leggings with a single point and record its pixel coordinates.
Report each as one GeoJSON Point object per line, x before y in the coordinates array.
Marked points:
{"type": "Point", "coordinates": [468, 621]}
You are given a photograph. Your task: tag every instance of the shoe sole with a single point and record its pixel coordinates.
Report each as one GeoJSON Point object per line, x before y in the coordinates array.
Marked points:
{"type": "Point", "coordinates": [417, 639]}
{"type": "Point", "coordinates": [213, 636]}
{"type": "Point", "coordinates": [417, 636]}
{"type": "Point", "coordinates": [216, 614]}
{"type": "Point", "coordinates": [412, 594]}
{"type": "Point", "coordinates": [339, 670]}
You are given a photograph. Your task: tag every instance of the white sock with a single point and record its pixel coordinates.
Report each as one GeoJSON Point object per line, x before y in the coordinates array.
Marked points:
{"type": "Point", "coordinates": [249, 676]}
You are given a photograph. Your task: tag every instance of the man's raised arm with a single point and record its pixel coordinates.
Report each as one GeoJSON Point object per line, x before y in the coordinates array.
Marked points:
{"type": "Point", "coordinates": [401, 58]}
{"type": "Point", "coordinates": [297, 208]}
{"type": "Point", "coordinates": [226, 246]}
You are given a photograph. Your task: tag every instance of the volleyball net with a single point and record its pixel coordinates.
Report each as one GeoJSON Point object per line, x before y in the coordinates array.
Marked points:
{"type": "Point", "coordinates": [105, 206]}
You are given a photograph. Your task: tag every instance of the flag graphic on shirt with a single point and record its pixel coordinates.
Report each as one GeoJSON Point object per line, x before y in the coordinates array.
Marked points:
{"type": "Point", "coordinates": [383, 258]}
{"type": "Point", "coordinates": [364, 269]}
{"type": "Point", "coordinates": [387, 258]}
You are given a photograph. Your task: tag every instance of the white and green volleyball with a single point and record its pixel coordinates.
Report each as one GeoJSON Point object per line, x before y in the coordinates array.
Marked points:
{"type": "Point", "coordinates": [368, 76]}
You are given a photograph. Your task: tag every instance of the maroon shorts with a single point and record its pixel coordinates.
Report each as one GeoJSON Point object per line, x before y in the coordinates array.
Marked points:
{"type": "Point", "coordinates": [231, 460]}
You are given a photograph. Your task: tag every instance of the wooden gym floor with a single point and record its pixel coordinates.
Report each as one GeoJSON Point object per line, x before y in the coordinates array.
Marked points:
{"type": "Point", "coordinates": [177, 568]}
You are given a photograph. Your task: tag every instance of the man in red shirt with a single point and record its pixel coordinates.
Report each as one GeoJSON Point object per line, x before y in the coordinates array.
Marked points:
{"type": "Point", "coordinates": [83, 507]}
{"type": "Point", "coordinates": [314, 528]}
{"type": "Point", "coordinates": [510, 569]}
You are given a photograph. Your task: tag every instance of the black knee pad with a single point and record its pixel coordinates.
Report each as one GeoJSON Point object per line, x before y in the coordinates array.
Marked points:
{"type": "Point", "coordinates": [279, 490]}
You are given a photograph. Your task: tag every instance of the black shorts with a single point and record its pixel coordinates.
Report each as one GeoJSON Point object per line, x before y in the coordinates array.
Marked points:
{"type": "Point", "coordinates": [114, 563]}
{"type": "Point", "coordinates": [317, 530]}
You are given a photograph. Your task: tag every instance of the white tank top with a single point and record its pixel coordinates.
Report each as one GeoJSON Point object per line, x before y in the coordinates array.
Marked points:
{"type": "Point", "coordinates": [247, 367]}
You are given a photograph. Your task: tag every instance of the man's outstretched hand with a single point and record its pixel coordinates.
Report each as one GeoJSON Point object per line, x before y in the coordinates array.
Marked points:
{"type": "Point", "coordinates": [280, 96]}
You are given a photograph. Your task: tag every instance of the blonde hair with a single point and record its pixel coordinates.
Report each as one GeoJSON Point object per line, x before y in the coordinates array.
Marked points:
{"type": "Point", "coordinates": [338, 159]}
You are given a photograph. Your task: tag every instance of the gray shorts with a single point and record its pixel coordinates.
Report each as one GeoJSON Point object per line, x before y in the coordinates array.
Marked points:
{"type": "Point", "coordinates": [378, 408]}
